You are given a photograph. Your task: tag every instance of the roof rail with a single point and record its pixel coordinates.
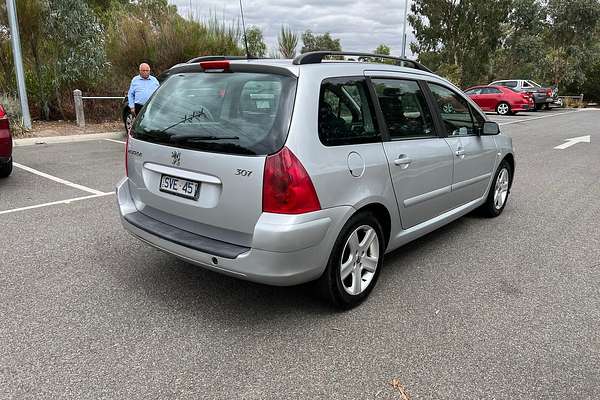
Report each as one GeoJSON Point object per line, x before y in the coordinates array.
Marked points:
{"type": "Point", "coordinates": [215, 58]}
{"type": "Point", "coordinates": [315, 57]}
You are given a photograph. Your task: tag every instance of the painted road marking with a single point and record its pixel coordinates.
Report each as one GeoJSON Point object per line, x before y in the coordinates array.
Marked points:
{"type": "Point", "coordinates": [59, 180]}
{"type": "Point", "coordinates": [68, 201]}
{"type": "Point", "coordinates": [542, 117]}
{"type": "Point", "coordinates": [116, 141]}
{"type": "Point", "coordinates": [570, 142]}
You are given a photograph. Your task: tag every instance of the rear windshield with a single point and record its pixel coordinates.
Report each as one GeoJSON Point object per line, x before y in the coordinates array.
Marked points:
{"type": "Point", "coordinates": [236, 113]}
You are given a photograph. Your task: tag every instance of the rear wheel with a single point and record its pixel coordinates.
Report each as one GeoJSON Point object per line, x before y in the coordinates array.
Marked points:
{"type": "Point", "coordinates": [503, 108]}
{"type": "Point", "coordinates": [547, 106]}
{"type": "Point", "coordinates": [539, 106]}
{"type": "Point", "coordinates": [354, 263]}
{"type": "Point", "coordinates": [498, 195]}
{"type": "Point", "coordinates": [6, 168]}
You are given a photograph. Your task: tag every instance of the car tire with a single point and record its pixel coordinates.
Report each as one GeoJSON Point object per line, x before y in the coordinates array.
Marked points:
{"type": "Point", "coordinates": [6, 168]}
{"type": "Point", "coordinates": [547, 106]}
{"type": "Point", "coordinates": [503, 108]}
{"type": "Point", "coordinates": [355, 237]}
{"type": "Point", "coordinates": [127, 120]}
{"type": "Point", "coordinates": [499, 191]}
{"type": "Point", "coordinates": [539, 106]}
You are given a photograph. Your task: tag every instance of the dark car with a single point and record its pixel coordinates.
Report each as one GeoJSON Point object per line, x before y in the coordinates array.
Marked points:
{"type": "Point", "coordinates": [5, 145]}
{"type": "Point", "coordinates": [502, 100]}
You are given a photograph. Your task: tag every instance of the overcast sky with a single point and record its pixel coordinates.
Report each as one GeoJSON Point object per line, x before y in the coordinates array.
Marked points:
{"type": "Point", "coordinates": [360, 25]}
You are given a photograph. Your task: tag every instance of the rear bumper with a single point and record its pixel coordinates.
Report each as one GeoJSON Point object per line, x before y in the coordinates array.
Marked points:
{"type": "Point", "coordinates": [286, 249]}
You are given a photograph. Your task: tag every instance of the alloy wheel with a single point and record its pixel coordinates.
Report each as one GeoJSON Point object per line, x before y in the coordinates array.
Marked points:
{"type": "Point", "coordinates": [501, 189]}
{"type": "Point", "coordinates": [503, 109]}
{"type": "Point", "coordinates": [359, 260]}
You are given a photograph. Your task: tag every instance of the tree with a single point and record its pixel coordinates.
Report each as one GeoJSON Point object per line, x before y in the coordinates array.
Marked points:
{"type": "Point", "coordinates": [256, 44]}
{"type": "Point", "coordinates": [522, 48]}
{"type": "Point", "coordinates": [383, 50]}
{"type": "Point", "coordinates": [571, 39]}
{"type": "Point", "coordinates": [312, 42]}
{"type": "Point", "coordinates": [287, 41]}
{"type": "Point", "coordinates": [457, 37]}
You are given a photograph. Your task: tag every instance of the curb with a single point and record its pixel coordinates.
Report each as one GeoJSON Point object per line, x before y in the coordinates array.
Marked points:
{"type": "Point", "coordinates": [67, 139]}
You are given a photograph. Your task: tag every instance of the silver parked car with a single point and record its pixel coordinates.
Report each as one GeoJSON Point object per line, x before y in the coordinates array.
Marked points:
{"type": "Point", "coordinates": [284, 172]}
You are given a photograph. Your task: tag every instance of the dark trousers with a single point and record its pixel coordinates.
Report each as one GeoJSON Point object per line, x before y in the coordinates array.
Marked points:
{"type": "Point", "coordinates": [138, 107]}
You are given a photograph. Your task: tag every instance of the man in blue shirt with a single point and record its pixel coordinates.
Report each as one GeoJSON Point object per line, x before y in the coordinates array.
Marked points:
{"type": "Point", "coordinates": [141, 88]}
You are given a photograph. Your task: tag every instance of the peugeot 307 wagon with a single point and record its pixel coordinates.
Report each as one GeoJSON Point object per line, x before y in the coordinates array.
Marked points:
{"type": "Point", "coordinates": [289, 171]}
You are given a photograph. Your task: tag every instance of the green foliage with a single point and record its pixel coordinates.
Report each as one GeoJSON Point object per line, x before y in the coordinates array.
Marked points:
{"type": "Point", "coordinates": [163, 40]}
{"type": "Point", "coordinates": [382, 49]}
{"type": "Point", "coordinates": [13, 110]}
{"type": "Point", "coordinates": [461, 33]}
{"type": "Point", "coordinates": [256, 44]}
{"type": "Point", "coordinates": [287, 41]}
{"type": "Point", "coordinates": [312, 42]}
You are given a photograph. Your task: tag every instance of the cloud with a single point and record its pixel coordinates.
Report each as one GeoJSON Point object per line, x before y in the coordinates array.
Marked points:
{"type": "Point", "coordinates": [360, 25]}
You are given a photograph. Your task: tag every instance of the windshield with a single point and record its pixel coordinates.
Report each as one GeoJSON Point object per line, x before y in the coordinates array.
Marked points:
{"type": "Point", "coordinates": [238, 113]}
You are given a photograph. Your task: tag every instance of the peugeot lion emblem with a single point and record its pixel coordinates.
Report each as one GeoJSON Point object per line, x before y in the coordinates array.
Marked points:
{"type": "Point", "coordinates": [176, 158]}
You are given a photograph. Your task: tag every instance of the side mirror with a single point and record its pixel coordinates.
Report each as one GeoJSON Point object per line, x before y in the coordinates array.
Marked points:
{"type": "Point", "coordinates": [490, 128]}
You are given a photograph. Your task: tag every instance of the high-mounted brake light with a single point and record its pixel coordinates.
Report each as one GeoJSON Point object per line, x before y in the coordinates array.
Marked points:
{"type": "Point", "coordinates": [221, 66]}
{"type": "Point", "coordinates": [287, 188]}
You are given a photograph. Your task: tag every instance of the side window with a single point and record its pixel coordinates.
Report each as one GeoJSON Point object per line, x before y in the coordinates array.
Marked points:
{"type": "Point", "coordinates": [495, 91]}
{"type": "Point", "coordinates": [345, 113]}
{"type": "Point", "coordinates": [455, 111]}
{"type": "Point", "coordinates": [404, 108]}
{"type": "Point", "coordinates": [474, 91]}
{"type": "Point", "coordinates": [510, 84]}
{"type": "Point", "coordinates": [526, 84]}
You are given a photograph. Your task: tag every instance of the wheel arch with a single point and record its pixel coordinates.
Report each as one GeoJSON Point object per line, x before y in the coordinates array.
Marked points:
{"type": "Point", "coordinates": [383, 216]}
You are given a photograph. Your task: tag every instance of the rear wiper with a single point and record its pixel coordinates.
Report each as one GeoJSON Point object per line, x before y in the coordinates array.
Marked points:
{"type": "Point", "coordinates": [185, 138]}
{"type": "Point", "coordinates": [186, 118]}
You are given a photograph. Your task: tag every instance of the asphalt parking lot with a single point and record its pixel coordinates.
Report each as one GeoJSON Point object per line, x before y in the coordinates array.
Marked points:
{"type": "Point", "coordinates": [507, 308]}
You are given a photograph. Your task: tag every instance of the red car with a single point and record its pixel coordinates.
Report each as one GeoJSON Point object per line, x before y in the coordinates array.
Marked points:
{"type": "Point", "coordinates": [5, 145]}
{"type": "Point", "coordinates": [501, 99]}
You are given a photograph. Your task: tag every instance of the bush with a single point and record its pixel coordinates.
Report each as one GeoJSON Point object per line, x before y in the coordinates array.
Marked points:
{"type": "Point", "coordinates": [13, 110]}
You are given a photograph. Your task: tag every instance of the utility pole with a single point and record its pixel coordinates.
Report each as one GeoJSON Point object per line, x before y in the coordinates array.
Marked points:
{"type": "Point", "coordinates": [13, 23]}
{"type": "Point", "coordinates": [404, 28]}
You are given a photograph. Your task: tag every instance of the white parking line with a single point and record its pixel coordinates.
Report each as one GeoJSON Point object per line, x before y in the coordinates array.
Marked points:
{"type": "Point", "coordinates": [116, 141]}
{"type": "Point", "coordinates": [59, 180]}
{"type": "Point", "coordinates": [543, 116]}
{"type": "Point", "coordinates": [68, 201]}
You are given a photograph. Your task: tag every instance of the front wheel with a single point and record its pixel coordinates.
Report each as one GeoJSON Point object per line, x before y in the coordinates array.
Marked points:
{"type": "Point", "coordinates": [503, 109]}
{"type": "Point", "coordinates": [498, 195]}
{"type": "Point", "coordinates": [355, 262]}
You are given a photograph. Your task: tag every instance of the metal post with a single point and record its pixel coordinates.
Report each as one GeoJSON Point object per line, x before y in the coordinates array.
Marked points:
{"type": "Point", "coordinates": [79, 108]}
{"type": "Point", "coordinates": [404, 29]}
{"type": "Point", "coordinates": [13, 23]}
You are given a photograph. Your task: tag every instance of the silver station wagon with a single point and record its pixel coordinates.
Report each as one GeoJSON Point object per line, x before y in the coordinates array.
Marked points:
{"type": "Point", "coordinates": [288, 171]}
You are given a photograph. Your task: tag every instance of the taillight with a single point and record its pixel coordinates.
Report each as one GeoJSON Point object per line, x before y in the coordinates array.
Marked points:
{"type": "Point", "coordinates": [287, 188]}
{"type": "Point", "coordinates": [126, 151]}
{"type": "Point", "coordinates": [549, 92]}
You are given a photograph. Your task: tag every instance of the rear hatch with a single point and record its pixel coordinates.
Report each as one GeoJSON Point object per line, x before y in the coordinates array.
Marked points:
{"type": "Point", "coordinates": [197, 150]}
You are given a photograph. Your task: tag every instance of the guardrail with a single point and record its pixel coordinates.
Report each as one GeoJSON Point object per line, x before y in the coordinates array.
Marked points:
{"type": "Point", "coordinates": [78, 98]}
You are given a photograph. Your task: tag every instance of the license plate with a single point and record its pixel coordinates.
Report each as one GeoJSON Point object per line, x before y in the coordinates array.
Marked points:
{"type": "Point", "coordinates": [179, 187]}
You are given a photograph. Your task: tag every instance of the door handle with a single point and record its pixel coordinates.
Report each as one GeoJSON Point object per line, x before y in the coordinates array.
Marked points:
{"type": "Point", "coordinates": [402, 161]}
{"type": "Point", "coordinates": [460, 152]}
